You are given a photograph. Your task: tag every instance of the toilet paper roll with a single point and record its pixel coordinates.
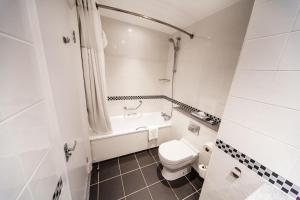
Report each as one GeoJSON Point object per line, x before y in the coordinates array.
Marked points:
{"type": "Point", "coordinates": [202, 170]}
{"type": "Point", "coordinates": [208, 147]}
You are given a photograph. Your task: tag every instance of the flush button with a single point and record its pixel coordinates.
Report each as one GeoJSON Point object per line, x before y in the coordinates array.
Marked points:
{"type": "Point", "coordinates": [236, 172]}
{"type": "Point", "coordinates": [194, 128]}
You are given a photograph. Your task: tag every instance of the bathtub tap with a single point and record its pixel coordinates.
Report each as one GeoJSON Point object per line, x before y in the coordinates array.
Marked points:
{"type": "Point", "coordinates": [165, 116]}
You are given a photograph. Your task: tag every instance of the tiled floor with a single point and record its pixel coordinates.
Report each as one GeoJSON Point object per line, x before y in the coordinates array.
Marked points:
{"type": "Point", "coordinates": [138, 177]}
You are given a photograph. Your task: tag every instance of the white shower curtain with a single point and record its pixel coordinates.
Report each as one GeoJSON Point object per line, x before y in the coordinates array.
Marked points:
{"type": "Point", "coordinates": [92, 50]}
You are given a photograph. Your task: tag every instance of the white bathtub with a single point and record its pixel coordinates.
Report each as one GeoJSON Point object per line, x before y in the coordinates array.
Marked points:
{"type": "Point", "coordinates": [129, 134]}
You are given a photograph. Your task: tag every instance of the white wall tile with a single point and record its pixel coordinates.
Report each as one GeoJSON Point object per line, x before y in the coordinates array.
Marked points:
{"type": "Point", "coordinates": [291, 59]}
{"type": "Point", "coordinates": [25, 195]}
{"type": "Point", "coordinates": [222, 185]}
{"type": "Point", "coordinates": [286, 84]}
{"type": "Point", "coordinates": [25, 133]}
{"type": "Point", "coordinates": [262, 53]}
{"type": "Point", "coordinates": [206, 66]}
{"type": "Point", "coordinates": [294, 174]}
{"type": "Point", "coordinates": [262, 117]}
{"type": "Point", "coordinates": [297, 24]}
{"type": "Point", "coordinates": [14, 12]}
{"type": "Point", "coordinates": [274, 87]}
{"type": "Point", "coordinates": [260, 147]}
{"type": "Point", "coordinates": [276, 122]}
{"type": "Point", "coordinates": [12, 178]}
{"type": "Point", "coordinates": [16, 95]}
{"type": "Point", "coordinates": [133, 76]}
{"type": "Point", "coordinates": [24, 140]}
{"type": "Point", "coordinates": [211, 191]}
{"type": "Point", "coordinates": [272, 17]}
{"type": "Point", "coordinates": [130, 69]}
{"type": "Point", "coordinates": [257, 85]}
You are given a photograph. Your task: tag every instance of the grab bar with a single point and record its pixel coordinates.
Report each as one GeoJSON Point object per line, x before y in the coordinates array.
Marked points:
{"type": "Point", "coordinates": [144, 127]}
{"type": "Point", "coordinates": [140, 103]}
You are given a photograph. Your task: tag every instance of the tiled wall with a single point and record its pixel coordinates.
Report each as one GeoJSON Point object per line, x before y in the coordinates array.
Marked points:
{"type": "Point", "coordinates": [136, 59]}
{"type": "Point", "coordinates": [29, 164]}
{"type": "Point", "coordinates": [262, 117]}
{"type": "Point", "coordinates": [206, 66]}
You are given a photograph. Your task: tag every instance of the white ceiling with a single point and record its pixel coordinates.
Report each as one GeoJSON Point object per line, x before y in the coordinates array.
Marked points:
{"type": "Point", "coordinates": [181, 13]}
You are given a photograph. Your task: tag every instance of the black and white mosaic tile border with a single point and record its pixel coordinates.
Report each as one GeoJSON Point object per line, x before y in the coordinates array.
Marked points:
{"type": "Point", "coordinates": [58, 189]}
{"type": "Point", "coordinates": [272, 177]}
{"type": "Point", "coordinates": [184, 106]}
{"type": "Point", "coordinates": [118, 98]}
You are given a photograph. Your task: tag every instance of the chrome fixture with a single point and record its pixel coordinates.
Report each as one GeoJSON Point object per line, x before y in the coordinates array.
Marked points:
{"type": "Point", "coordinates": [74, 36]}
{"type": "Point", "coordinates": [131, 114]}
{"type": "Point", "coordinates": [194, 128]}
{"type": "Point", "coordinates": [176, 47]}
{"type": "Point", "coordinates": [66, 39]}
{"type": "Point", "coordinates": [68, 150]}
{"type": "Point", "coordinates": [164, 79]}
{"type": "Point", "coordinates": [165, 116]}
{"type": "Point", "coordinates": [135, 108]}
{"type": "Point", "coordinates": [141, 127]}
{"type": "Point", "coordinates": [236, 172]}
{"type": "Point", "coordinates": [144, 17]}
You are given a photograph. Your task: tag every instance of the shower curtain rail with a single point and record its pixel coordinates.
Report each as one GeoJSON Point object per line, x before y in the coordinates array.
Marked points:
{"type": "Point", "coordinates": [144, 17]}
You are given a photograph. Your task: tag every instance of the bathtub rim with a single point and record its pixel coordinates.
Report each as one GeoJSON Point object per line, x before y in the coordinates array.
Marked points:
{"type": "Point", "coordinates": [110, 135]}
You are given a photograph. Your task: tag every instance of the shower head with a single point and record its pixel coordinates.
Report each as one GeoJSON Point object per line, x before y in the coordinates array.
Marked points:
{"type": "Point", "coordinates": [175, 44]}
{"type": "Point", "coordinates": [172, 41]}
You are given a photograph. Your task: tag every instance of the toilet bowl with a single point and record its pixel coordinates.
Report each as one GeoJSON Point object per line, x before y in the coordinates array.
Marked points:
{"type": "Point", "coordinates": [176, 156]}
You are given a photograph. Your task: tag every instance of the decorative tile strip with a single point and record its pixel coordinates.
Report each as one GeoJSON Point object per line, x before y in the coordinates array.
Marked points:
{"type": "Point", "coordinates": [272, 177]}
{"type": "Point", "coordinates": [184, 106]}
{"type": "Point", "coordinates": [116, 98]}
{"type": "Point", "coordinates": [58, 189]}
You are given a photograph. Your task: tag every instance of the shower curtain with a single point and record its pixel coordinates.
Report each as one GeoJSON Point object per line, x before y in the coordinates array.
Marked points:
{"type": "Point", "coordinates": [92, 52]}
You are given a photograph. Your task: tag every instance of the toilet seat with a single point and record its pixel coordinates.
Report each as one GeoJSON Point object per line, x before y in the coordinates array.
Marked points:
{"type": "Point", "coordinates": [176, 152]}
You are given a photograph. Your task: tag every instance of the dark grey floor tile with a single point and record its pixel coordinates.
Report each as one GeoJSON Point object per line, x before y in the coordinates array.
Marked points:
{"type": "Point", "coordinates": [95, 164]}
{"type": "Point", "coordinates": [162, 191]}
{"type": "Point", "coordinates": [195, 179]}
{"type": "Point", "coordinates": [133, 181]}
{"type": "Point", "coordinates": [152, 173]}
{"type": "Point", "coordinates": [108, 169]}
{"type": "Point", "coordinates": [140, 195]}
{"type": "Point", "coordinates": [128, 163]}
{"type": "Point", "coordinates": [195, 196]}
{"type": "Point", "coordinates": [94, 175]}
{"type": "Point", "coordinates": [111, 189]}
{"type": "Point", "coordinates": [144, 158]}
{"type": "Point", "coordinates": [182, 187]}
{"type": "Point", "coordinates": [154, 152]}
{"type": "Point", "coordinates": [93, 192]}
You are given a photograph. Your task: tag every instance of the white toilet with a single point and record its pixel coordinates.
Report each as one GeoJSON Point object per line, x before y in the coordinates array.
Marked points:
{"type": "Point", "coordinates": [176, 156]}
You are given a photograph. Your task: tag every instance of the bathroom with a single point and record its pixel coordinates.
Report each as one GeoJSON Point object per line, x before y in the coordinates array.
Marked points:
{"type": "Point", "coordinates": [158, 100]}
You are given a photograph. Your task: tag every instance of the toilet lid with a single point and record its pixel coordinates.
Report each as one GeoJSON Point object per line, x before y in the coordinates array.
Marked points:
{"type": "Point", "coordinates": [176, 151]}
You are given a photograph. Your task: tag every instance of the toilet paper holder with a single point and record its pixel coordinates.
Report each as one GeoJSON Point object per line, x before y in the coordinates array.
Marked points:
{"type": "Point", "coordinates": [236, 172]}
